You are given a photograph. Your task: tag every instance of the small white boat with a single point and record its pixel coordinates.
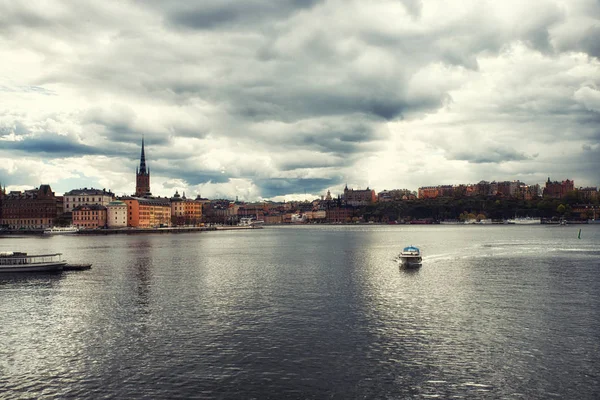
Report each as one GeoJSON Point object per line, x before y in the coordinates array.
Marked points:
{"type": "Point", "coordinates": [524, 221]}
{"type": "Point", "coordinates": [61, 230]}
{"type": "Point", "coordinates": [250, 222]}
{"type": "Point", "coordinates": [410, 257]}
{"type": "Point", "coordinates": [22, 262]}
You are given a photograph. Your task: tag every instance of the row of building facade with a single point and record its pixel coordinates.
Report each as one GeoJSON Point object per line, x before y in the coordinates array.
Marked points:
{"type": "Point", "coordinates": [509, 189]}
{"type": "Point", "coordinates": [93, 208]}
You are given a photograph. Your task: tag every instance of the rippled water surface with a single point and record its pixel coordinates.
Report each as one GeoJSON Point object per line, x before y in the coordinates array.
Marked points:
{"type": "Point", "coordinates": [308, 312]}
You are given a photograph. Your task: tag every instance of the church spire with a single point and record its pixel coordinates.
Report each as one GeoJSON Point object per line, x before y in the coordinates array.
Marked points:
{"type": "Point", "coordinates": [142, 176]}
{"type": "Point", "coordinates": [143, 159]}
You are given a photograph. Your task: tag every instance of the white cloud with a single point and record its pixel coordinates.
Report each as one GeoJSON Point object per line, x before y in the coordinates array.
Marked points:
{"type": "Point", "coordinates": [263, 100]}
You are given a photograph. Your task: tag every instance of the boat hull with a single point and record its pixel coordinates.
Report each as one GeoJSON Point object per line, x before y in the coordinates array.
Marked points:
{"type": "Point", "coordinates": [411, 262]}
{"type": "Point", "coordinates": [38, 267]}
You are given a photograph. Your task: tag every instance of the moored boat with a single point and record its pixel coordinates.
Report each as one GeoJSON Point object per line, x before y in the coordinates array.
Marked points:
{"type": "Point", "coordinates": [23, 262]}
{"type": "Point", "coordinates": [61, 230]}
{"type": "Point", "coordinates": [410, 257]}
{"type": "Point", "coordinates": [250, 222]}
{"type": "Point", "coordinates": [524, 221]}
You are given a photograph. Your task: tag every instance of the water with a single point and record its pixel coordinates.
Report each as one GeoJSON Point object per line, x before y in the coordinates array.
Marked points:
{"type": "Point", "coordinates": [308, 312]}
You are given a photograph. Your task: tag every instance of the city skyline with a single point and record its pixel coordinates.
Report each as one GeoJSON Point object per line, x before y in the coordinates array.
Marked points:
{"type": "Point", "coordinates": [286, 101]}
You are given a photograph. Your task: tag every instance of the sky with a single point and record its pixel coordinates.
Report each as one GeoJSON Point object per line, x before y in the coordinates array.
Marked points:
{"type": "Point", "coordinates": [284, 100]}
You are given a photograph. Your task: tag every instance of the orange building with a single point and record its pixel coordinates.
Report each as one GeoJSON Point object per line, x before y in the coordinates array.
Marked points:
{"type": "Point", "coordinates": [91, 216]}
{"type": "Point", "coordinates": [145, 212]}
{"type": "Point", "coordinates": [429, 192]}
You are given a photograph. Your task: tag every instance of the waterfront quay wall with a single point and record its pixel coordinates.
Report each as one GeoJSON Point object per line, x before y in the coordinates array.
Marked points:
{"type": "Point", "coordinates": [115, 231]}
{"type": "Point", "coordinates": [127, 231]}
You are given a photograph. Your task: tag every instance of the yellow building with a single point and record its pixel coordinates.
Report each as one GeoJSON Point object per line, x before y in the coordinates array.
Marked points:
{"type": "Point", "coordinates": [185, 211]}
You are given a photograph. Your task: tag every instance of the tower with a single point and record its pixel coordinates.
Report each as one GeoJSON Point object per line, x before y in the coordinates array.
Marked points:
{"type": "Point", "coordinates": [142, 176]}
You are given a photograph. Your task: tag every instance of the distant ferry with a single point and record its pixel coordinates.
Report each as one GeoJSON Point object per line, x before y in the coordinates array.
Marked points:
{"type": "Point", "coordinates": [22, 262]}
{"type": "Point", "coordinates": [410, 257]}
{"type": "Point", "coordinates": [524, 221]}
{"type": "Point", "coordinates": [61, 230]}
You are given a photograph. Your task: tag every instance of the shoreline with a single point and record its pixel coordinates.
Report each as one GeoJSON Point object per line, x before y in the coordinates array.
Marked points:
{"type": "Point", "coordinates": [213, 228]}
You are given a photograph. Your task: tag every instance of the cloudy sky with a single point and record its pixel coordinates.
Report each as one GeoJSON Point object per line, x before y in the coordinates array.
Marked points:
{"type": "Point", "coordinates": [267, 99]}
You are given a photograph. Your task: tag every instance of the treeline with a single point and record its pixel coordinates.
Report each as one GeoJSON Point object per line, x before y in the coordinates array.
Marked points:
{"type": "Point", "coordinates": [474, 208]}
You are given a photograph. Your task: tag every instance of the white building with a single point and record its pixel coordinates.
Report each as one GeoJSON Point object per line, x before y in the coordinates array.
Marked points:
{"type": "Point", "coordinates": [116, 214]}
{"type": "Point", "coordinates": [86, 197]}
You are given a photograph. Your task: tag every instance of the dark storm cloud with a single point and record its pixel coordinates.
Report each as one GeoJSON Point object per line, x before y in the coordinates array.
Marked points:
{"type": "Point", "coordinates": [17, 128]}
{"type": "Point", "coordinates": [209, 14]}
{"type": "Point", "coordinates": [282, 186]}
{"type": "Point", "coordinates": [294, 165]}
{"type": "Point", "coordinates": [51, 144]}
{"type": "Point", "coordinates": [318, 160]}
{"type": "Point", "coordinates": [339, 137]}
{"type": "Point", "coordinates": [329, 75]}
{"type": "Point", "coordinates": [488, 155]}
{"type": "Point", "coordinates": [118, 125]}
{"type": "Point", "coordinates": [190, 174]}
{"type": "Point", "coordinates": [332, 144]}
{"type": "Point", "coordinates": [590, 42]}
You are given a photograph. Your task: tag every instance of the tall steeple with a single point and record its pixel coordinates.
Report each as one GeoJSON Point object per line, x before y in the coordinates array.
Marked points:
{"type": "Point", "coordinates": [143, 159]}
{"type": "Point", "coordinates": [142, 176]}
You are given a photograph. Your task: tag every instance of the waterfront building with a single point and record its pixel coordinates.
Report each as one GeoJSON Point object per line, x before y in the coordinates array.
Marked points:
{"type": "Point", "coordinates": [221, 212]}
{"type": "Point", "coordinates": [185, 211]}
{"type": "Point", "coordinates": [274, 218]}
{"type": "Point", "coordinates": [257, 210]}
{"type": "Point", "coordinates": [428, 192]}
{"type": "Point", "coordinates": [147, 212]}
{"type": "Point", "coordinates": [446, 191]}
{"type": "Point", "coordinates": [395, 195]}
{"type": "Point", "coordinates": [528, 192]}
{"type": "Point", "coordinates": [558, 190]}
{"type": "Point", "coordinates": [588, 193]}
{"type": "Point", "coordinates": [484, 188]}
{"type": "Point", "coordinates": [32, 209]}
{"type": "Point", "coordinates": [504, 189]}
{"type": "Point", "coordinates": [339, 215]}
{"type": "Point", "coordinates": [357, 198]}
{"type": "Point", "coordinates": [494, 188]}
{"type": "Point", "coordinates": [85, 196]}
{"type": "Point", "coordinates": [116, 214]}
{"type": "Point", "coordinates": [89, 216]}
{"type": "Point", "coordinates": [587, 211]}
{"type": "Point", "coordinates": [142, 177]}
{"type": "Point", "coordinates": [316, 216]}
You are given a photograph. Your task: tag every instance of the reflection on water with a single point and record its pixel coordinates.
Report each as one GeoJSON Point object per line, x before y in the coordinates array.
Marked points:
{"type": "Point", "coordinates": [308, 312]}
